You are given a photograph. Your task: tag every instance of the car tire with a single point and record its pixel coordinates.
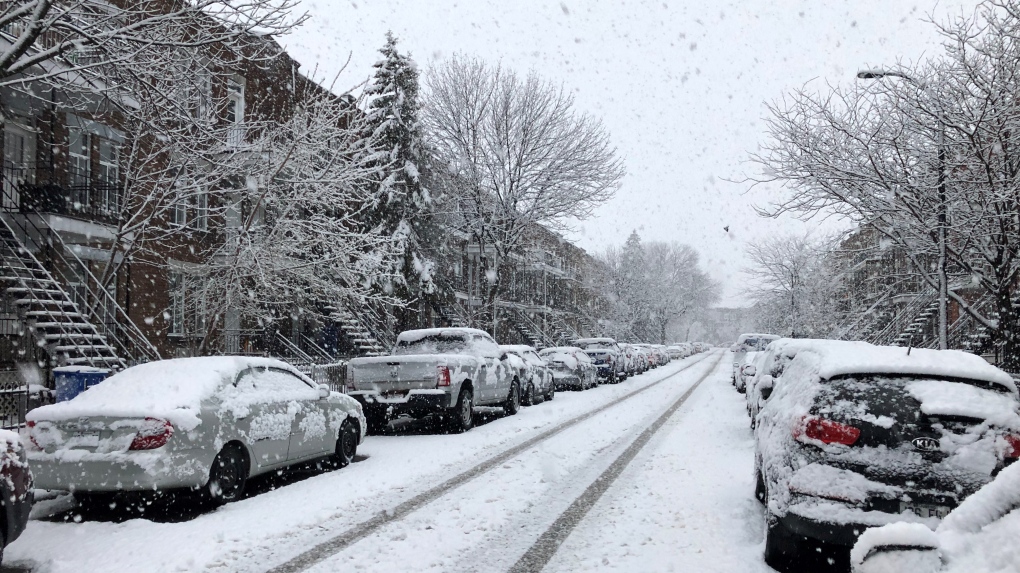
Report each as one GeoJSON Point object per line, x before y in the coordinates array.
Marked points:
{"type": "Point", "coordinates": [228, 475]}
{"type": "Point", "coordinates": [782, 546]}
{"type": "Point", "coordinates": [513, 399]}
{"type": "Point", "coordinates": [528, 399]}
{"type": "Point", "coordinates": [461, 416]}
{"type": "Point", "coordinates": [346, 444]}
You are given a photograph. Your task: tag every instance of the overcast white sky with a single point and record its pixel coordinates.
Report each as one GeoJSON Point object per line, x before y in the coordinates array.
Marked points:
{"type": "Point", "coordinates": [680, 86]}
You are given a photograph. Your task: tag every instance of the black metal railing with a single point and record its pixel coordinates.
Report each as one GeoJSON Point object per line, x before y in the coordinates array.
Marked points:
{"type": "Point", "coordinates": [64, 266]}
{"type": "Point", "coordinates": [25, 190]}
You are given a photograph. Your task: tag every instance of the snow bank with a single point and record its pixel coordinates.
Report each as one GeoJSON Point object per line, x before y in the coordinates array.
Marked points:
{"type": "Point", "coordinates": [873, 543]}
{"type": "Point", "coordinates": [987, 504]}
{"type": "Point", "coordinates": [169, 389]}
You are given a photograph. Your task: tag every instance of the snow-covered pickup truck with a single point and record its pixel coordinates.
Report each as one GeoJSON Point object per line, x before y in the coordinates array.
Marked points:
{"type": "Point", "coordinates": [444, 371]}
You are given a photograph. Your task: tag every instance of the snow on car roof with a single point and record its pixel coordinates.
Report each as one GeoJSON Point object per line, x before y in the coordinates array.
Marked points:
{"type": "Point", "coordinates": [416, 335]}
{"type": "Point", "coordinates": [838, 358]}
{"type": "Point", "coordinates": [747, 335]}
{"type": "Point", "coordinates": [560, 349]}
{"type": "Point", "coordinates": [169, 389]}
{"type": "Point", "coordinates": [582, 340]}
{"type": "Point", "coordinates": [517, 347]}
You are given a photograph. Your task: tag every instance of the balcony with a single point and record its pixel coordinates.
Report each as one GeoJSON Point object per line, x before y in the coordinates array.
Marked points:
{"type": "Point", "coordinates": [25, 191]}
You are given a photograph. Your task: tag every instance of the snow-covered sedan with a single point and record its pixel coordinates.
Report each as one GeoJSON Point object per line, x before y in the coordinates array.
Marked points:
{"type": "Point", "coordinates": [571, 367]}
{"type": "Point", "coordinates": [199, 423]}
{"type": "Point", "coordinates": [536, 378]}
{"type": "Point", "coordinates": [858, 436]}
{"type": "Point", "coordinates": [979, 536]}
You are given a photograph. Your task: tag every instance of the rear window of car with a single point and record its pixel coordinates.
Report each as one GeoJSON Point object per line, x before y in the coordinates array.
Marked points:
{"type": "Point", "coordinates": [596, 345]}
{"type": "Point", "coordinates": [436, 344]}
{"type": "Point", "coordinates": [886, 400]}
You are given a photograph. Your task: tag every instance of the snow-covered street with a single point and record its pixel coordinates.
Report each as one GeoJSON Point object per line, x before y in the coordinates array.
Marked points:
{"type": "Point", "coordinates": [683, 503]}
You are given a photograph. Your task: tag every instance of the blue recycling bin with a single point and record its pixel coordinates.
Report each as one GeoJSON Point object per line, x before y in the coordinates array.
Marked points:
{"type": "Point", "coordinates": [73, 380]}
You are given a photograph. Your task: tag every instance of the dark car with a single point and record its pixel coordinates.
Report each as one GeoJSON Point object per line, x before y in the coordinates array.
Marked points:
{"type": "Point", "coordinates": [607, 356]}
{"type": "Point", "coordinates": [570, 367]}
{"type": "Point", "coordinates": [16, 488]}
{"type": "Point", "coordinates": [854, 436]}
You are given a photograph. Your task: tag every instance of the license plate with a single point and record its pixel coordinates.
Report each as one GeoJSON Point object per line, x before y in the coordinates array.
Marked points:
{"type": "Point", "coordinates": [924, 509]}
{"type": "Point", "coordinates": [86, 437]}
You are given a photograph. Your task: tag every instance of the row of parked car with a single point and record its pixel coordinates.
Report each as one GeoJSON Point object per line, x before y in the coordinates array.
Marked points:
{"type": "Point", "coordinates": [210, 424]}
{"type": "Point", "coordinates": [917, 447]}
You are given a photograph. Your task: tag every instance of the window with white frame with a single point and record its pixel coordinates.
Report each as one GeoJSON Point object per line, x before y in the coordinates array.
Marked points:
{"type": "Point", "coordinates": [203, 93]}
{"type": "Point", "coordinates": [18, 166]}
{"type": "Point", "coordinates": [79, 146]}
{"type": "Point", "coordinates": [234, 116]}
{"type": "Point", "coordinates": [109, 175]}
{"type": "Point", "coordinates": [200, 220]}
{"type": "Point", "coordinates": [179, 213]}
{"type": "Point", "coordinates": [187, 305]}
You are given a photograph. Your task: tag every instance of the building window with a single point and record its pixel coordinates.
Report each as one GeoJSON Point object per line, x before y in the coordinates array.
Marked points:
{"type": "Point", "coordinates": [109, 175]}
{"type": "Point", "coordinates": [187, 306]}
{"type": "Point", "coordinates": [234, 116]}
{"type": "Point", "coordinates": [18, 165]}
{"type": "Point", "coordinates": [203, 95]}
{"type": "Point", "coordinates": [201, 218]}
{"type": "Point", "coordinates": [78, 166]}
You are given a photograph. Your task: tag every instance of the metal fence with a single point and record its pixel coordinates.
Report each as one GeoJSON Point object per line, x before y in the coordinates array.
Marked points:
{"type": "Point", "coordinates": [13, 400]}
{"type": "Point", "coordinates": [334, 375]}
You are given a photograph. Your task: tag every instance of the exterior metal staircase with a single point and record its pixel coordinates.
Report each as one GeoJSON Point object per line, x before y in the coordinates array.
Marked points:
{"type": "Point", "coordinates": [58, 324]}
{"type": "Point", "coordinates": [527, 327]}
{"type": "Point", "coordinates": [365, 341]}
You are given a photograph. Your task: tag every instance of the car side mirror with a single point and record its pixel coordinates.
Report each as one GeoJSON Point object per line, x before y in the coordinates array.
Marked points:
{"type": "Point", "coordinates": [897, 547]}
{"type": "Point", "coordinates": [749, 370]}
{"type": "Point", "coordinates": [765, 386]}
{"type": "Point", "coordinates": [324, 391]}
{"type": "Point", "coordinates": [503, 356]}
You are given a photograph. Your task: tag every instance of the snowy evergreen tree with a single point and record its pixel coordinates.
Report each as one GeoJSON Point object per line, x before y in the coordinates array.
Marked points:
{"type": "Point", "coordinates": [403, 203]}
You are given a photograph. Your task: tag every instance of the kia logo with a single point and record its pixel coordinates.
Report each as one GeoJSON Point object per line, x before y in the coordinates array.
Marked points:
{"type": "Point", "coordinates": [926, 444]}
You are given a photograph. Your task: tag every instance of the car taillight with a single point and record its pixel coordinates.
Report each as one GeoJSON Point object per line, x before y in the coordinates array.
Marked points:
{"type": "Point", "coordinates": [154, 433]}
{"type": "Point", "coordinates": [31, 425]}
{"type": "Point", "coordinates": [1013, 446]}
{"type": "Point", "coordinates": [826, 431]}
{"type": "Point", "coordinates": [442, 376]}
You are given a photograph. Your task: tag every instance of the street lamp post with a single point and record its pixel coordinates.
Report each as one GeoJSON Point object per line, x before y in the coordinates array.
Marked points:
{"type": "Point", "coordinates": [943, 326]}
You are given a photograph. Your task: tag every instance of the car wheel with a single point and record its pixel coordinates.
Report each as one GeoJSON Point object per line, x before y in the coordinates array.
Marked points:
{"type": "Point", "coordinates": [462, 416]}
{"type": "Point", "coordinates": [227, 476]}
{"type": "Point", "coordinates": [346, 444]}
{"type": "Point", "coordinates": [513, 399]}
{"type": "Point", "coordinates": [529, 396]}
{"type": "Point", "coordinates": [782, 546]}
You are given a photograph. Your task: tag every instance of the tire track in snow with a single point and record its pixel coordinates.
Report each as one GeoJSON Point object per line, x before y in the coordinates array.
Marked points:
{"type": "Point", "coordinates": [334, 545]}
{"type": "Point", "coordinates": [536, 557]}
